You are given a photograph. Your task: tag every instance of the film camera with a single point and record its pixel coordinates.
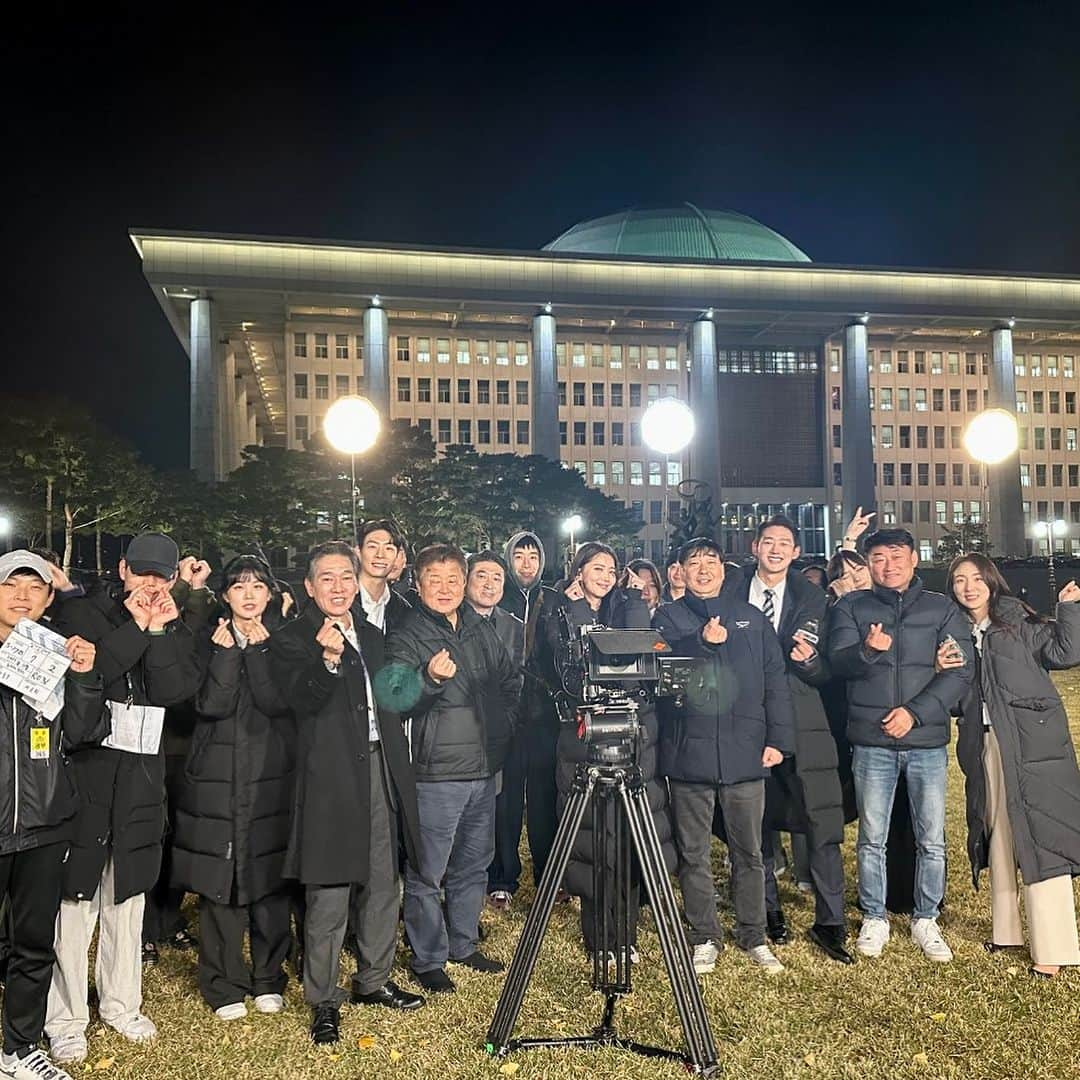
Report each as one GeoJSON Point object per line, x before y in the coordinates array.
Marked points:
{"type": "Point", "coordinates": [607, 675]}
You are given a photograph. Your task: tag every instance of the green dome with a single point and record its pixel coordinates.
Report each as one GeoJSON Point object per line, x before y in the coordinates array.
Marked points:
{"type": "Point", "coordinates": [681, 232]}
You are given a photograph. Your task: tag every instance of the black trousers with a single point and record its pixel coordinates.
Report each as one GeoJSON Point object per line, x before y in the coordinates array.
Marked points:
{"type": "Point", "coordinates": [505, 870]}
{"type": "Point", "coordinates": [162, 917]}
{"type": "Point", "coordinates": [224, 977]}
{"type": "Point", "coordinates": [32, 882]}
{"type": "Point", "coordinates": [826, 873]}
{"type": "Point", "coordinates": [541, 793]}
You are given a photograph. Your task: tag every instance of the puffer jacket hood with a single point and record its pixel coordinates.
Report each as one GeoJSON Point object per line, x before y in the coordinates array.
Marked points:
{"type": "Point", "coordinates": [508, 553]}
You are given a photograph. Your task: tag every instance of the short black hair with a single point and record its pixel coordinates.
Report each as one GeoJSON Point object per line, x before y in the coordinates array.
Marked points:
{"type": "Point", "coordinates": [245, 566]}
{"type": "Point", "coordinates": [672, 557]}
{"type": "Point", "coordinates": [487, 555]}
{"type": "Point", "coordinates": [438, 553]}
{"type": "Point", "coordinates": [331, 547]}
{"type": "Point", "coordinates": [889, 538]}
{"type": "Point", "coordinates": [779, 522]}
{"type": "Point", "coordinates": [699, 543]}
{"type": "Point", "coordinates": [46, 553]}
{"type": "Point", "coordinates": [526, 540]}
{"type": "Point", "coordinates": [397, 537]}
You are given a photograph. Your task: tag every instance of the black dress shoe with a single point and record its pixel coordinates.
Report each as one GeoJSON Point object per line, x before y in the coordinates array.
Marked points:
{"type": "Point", "coordinates": [776, 927]}
{"type": "Point", "coordinates": [479, 962]}
{"type": "Point", "coordinates": [993, 947]}
{"type": "Point", "coordinates": [830, 940]}
{"type": "Point", "coordinates": [390, 996]}
{"type": "Point", "coordinates": [324, 1025]}
{"type": "Point", "coordinates": [182, 940]}
{"type": "Point", "coordinates": [435, 982]}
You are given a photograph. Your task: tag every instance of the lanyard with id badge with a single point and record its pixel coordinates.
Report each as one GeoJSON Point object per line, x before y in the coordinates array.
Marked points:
{"type": "Point", "coordinates": [136, 729]}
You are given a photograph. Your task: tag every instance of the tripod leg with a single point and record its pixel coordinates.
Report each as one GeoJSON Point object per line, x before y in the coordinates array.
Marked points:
{"type": "Point", "coordinates": [532, 936]}
{"type": "Point", "coordinates": [677, 957]}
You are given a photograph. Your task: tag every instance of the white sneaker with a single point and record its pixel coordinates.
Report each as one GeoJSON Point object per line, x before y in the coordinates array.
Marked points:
{"type": "Point", "coordinates": [873, 937]}
{"type": "Point", "coordinates": [765, 959]}
{"type": "Point", "coordinates": [925, 934]}
{"type": "Point", "coordinates": [235, 1010]}
{"type": "Point", "coordinates": [35, 1066]}
{"type": "Point", "coordinates": [705, 956]}
{"type": "Point", "coordinates": [68, 1049]}
{"type": "Point", "coordinates": [137, 1028]}
{"type": "Point", "coordinates": [269, 1003]}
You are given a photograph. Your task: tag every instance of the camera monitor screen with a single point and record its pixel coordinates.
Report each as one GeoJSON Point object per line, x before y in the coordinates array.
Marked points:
{"type": "Point", "coordinates": [625, 655]}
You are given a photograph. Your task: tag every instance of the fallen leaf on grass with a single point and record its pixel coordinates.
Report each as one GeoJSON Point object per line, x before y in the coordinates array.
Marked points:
{"type": "Point", "coordinates": [366, 1042]}
{"type": "Point", "coordinates": [1012, 971]}
{"type": "Point", "coordinates": [509, 1068]}
{"type": "Point", "coordinates": [334, 1057]}
{"type": "Point", "coordinates": [104, 1063]}
{"type": "Point", "coordinates": [920, 1059]}
{"type": "Point", "coordinates": [396, 1055]}
{"type": "Point", "coordinates": [938, 1018]}
{"type": "Point", "coordinates": [810, 1059]}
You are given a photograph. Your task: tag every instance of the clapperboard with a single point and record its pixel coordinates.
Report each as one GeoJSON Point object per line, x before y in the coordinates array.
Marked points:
{"type": "Point", "coordinates": [33, 663]}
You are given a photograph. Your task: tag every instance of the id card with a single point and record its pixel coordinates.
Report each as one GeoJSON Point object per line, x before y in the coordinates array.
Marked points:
{"type": "Point", "coordinates": [136, 729]}
{"type": "Point", "coordinates": [39, 744]}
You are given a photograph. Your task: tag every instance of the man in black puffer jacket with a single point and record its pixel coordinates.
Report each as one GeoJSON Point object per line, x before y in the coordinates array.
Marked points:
{"type": "Point", "coordinates": [885, 642]}
{"type": "Point", "coordinates": [718, 746]}
{"type": "Point", "coordinates": [450, 672]}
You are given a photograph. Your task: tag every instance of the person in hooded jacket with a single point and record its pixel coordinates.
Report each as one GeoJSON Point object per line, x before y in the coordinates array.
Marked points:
{"type": "Point", "coordinates": [37, 805]}
{"type": "Point", "coordinates": [464, 691]}
{"type": "Point", "coordinates": [232, 814]}
{"type": "Point", "coordinates": [590, 596]}
{"type": "Point", "coordinates": [1014, 746]}
{"type": "Point", "coordinates": [528, 783]}
{"type": "Point", "coordinates": [147, 659]}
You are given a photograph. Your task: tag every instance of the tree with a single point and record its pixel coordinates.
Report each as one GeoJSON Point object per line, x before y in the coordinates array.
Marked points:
{"type": "Point", "coordinates": [970, 535]}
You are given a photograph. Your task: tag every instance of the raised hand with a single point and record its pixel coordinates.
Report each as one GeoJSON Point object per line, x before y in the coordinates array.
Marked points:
{"type": "Point", "coordinates": [713, 632]}
{"type": "Point", "coordinates": [184, 568]}
{"type": "Point", "coordinates": [859, 523]}
{"type": "Point", "coordinates": [948, 657]}
{"type": "Point", "coordinates": [574, 590]}
{"type": "Point", "coordinates": [1070, 593]}
{"type": "Point", "coordinates": [139, 603]}
{"type": "Point", "coordinates": [803, 651]}
{"type": "Point", "coordinates": [200, 571]}
{"type": "Point", "coordinates": [257, 633]}
{"type": "Point", "coordinates": [877, 639]}
{"type": "Point", "coordinates": [633, 581]}
{"type": "Point", "coordinates": [60, 581]}
{"type": "Point", "coordinates": [222, 636]}
{"type": "Point", "coordinates": [440, 667]}
{"type": "Point", "coordinates": [82, 654]}
{"type": "Point", "coordinates": [332, 641]}
{"type": "Point", "coordinates": [163, 610]}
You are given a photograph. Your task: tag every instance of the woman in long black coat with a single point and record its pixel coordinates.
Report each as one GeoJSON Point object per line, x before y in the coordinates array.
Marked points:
{"type": "Point", "coordinates": [590, 597]}
{"type": "Point", "coordinates": [1014, 746]}
{"type": "Point", "coordinates": [232, 819]}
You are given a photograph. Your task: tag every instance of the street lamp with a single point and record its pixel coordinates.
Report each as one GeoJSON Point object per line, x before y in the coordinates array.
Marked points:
{"type": "Point", "coordinates": [573, 524]}
{"type": "Point", "coordinates": [990, 438]}
{"type": "Point", "coordinates": [351, 426]}
{"type": "Point", "coordinates": [1052, 529]}
{"type": "Point", "coordinates": [667, 426]}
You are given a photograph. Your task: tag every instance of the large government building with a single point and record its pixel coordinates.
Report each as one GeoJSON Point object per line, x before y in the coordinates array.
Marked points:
{"type": "Point", "coordinates": [815, 388]}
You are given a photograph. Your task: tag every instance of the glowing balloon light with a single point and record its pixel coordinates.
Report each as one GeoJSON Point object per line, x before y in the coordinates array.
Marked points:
{"type": "Point", "coordinates": [352, 425]}
{"type": "Point", "coordinates": [667, 426]}
{"type": "Point", "coordinates": [992, 436]}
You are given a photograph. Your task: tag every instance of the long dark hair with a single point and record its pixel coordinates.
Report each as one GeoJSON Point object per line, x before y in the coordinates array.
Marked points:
{"type": "Point", "coordinates": [995, 582]}
{"type": "Point", "coordinates": [587, 552]}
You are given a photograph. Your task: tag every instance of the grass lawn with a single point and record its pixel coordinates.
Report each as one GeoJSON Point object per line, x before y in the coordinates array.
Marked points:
{"type": "Point", "coordinates": [980, 1017]}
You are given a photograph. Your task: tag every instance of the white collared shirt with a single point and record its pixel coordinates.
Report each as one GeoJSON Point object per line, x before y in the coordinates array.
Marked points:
{"type": "Point", "coordinates": [978, 631]}
{"type": "Point", "coordinates": [351, 638]}
{"type": "Point", "coordinates": [375, 610]}
{"type": "Point", "coordinates": [757, 597]}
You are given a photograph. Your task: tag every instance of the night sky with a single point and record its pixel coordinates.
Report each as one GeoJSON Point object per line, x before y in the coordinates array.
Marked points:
{"type": "Point", "coordinates": [938, 140]}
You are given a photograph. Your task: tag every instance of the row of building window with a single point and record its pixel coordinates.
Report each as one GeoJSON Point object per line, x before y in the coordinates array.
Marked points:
{"type": "Point", "coordinates": [598, 475]}
{"type": "Point", "coordinates": [922, 362]}
{"type": "Point", "coordinates": [600, 392]}
{"type": "Point", "coordinates": [888, 436]}
{"type": "Point", "coordinates": [1057, 475]}
{"type": "Point", "coordinates": [884, 400]}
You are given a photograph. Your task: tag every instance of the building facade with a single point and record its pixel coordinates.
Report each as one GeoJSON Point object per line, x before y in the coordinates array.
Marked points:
{"type": "Point", "coordinates": [815, 389]}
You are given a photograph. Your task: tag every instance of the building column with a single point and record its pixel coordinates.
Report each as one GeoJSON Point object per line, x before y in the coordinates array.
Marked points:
{"type": "Point", "coordinates": [545, 421]}
{"type": "Point", "coordinates": [704, 451]}
{"type": "Point", "coordinates": [1005, 510]}
{"type": "Point", "coordinates": [377, 360]}
{"type": "Point", "coordinates": [857, 456]}
{"type": "Point", "coordinates": [545, 389]}
{"type": "Point", "coordinates": [205, 449]}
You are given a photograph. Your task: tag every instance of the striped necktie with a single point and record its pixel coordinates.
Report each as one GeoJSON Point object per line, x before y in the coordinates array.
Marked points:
{"type": "Point", "coordinates": [769, 608]}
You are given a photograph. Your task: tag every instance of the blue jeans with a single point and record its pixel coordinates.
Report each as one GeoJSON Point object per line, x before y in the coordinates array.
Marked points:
{"type": "Point", "coordinates": [877, 771]}
{"type": "Point", "coordinates": [457, 844]}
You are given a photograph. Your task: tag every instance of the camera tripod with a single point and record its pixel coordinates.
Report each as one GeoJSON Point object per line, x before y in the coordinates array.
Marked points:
{"type": "Point", "coordinates": [615, 792]}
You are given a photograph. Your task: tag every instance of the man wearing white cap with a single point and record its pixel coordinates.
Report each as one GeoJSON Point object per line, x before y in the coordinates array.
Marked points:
{"type": "Point", "coordinates": [37, 805]}
{"type": "Point", "coordinates": [147, 659]}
